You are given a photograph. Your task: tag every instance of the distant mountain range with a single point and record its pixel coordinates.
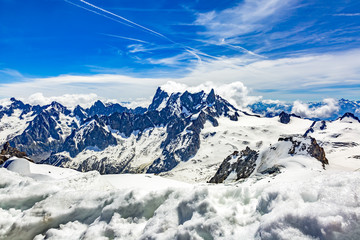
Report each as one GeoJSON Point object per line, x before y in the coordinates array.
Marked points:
{"type": "Point", "coordinates": [177, 131]}
{"type": "Point", "coordinates": [272, 109]}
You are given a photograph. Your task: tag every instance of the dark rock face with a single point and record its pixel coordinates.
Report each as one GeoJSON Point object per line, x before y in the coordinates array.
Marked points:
{"type": "Point", "coordinates": [56, 160]}
{"type": "Point", "coordinates": [284, 118]}
{"type": "Point", "coordinates": [100, 109]}
{"type": "Point", "coordinates": [35, 140]}
{"type": "Point", "coordinates": [8, 152]}
{"type": "Point", "coordinates": [242, 163]}
{"type": "Point", "coordinates": [92, 135]}
{"type": "Point", "coordinates": [314, 150]}
{"type": "Point", "coordinates": [80, 113]}
{"type": "Point", "coordinates": [159, 97]}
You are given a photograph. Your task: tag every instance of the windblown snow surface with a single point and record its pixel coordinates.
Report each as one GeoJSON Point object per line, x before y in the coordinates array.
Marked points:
{"type": "Point", "coordinates": [303, 202]}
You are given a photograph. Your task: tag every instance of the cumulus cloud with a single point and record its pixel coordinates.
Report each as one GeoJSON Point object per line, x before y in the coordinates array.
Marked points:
{"type": "Point", "coordinates": [236, 92]}
{"type": "Point", "coordinates": [68, 100]}
{"type": "Point", "coordinates": [138, 102]}
{"type": "Point", "coordinates": [327, 109]}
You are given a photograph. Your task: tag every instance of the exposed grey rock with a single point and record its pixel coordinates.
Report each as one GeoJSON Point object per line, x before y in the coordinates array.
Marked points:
{"type": "Point", "coordinates": [313, 149]}
{"type": "Point", "coordinates": [243, 164]}
{"type": "Point", "coordinates": [92, 134]}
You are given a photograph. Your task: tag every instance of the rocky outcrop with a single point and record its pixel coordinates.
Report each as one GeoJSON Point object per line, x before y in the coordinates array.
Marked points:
{"type": "Point", "coordinates": [284, 118]}
{"type": "Point", "coordinates": [308, 146]}
{"type": "Point", "coordinates": [8, 152]}
{"type": "Point", "coordinates": [158, 99]}
{"type": "Point", "coordinates": [236, 166]}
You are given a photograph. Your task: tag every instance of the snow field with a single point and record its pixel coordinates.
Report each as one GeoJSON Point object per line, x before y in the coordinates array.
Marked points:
{"type": "Point", "coordinates": [299, 203]}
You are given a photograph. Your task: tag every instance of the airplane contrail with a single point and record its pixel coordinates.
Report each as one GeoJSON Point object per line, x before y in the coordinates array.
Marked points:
{"type": "Point", "coordinates": [243, 50]}
{"type": "Point", "coordinates": [122, 18]}
{"type": "Point", "coordinates": [103, 15]}
{"type": "Point", "coordinates": [122, 37]}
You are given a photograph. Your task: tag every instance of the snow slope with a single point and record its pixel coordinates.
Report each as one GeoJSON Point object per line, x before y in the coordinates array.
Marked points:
{"type": "Point", "coordinates": [300, 203]}
{"type": "Point", "coordinates": [341, 142]}
{"type": "Point", "coordinates": [13, 125]}
{"type": "Point", "coordinates": [219, 142]}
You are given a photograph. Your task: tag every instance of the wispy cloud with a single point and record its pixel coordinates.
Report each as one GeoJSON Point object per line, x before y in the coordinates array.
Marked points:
{"type": "Point", "coordinates": [11, 72]}
{"type": "Point", "coordinates": [247, 17]}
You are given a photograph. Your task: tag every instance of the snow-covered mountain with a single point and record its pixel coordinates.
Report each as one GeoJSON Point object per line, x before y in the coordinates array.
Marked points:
{"type": "Point", "coordinates": [181, 135]}
{"type": "Point", "coordinates": [280, 177]}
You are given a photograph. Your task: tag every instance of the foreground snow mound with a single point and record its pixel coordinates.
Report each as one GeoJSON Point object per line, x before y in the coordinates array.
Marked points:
{"type": "Point", "coordinates": [301, 204]}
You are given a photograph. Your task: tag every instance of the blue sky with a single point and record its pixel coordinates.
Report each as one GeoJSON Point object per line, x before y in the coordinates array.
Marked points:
{"type": "Point", "coordinates": [278, 49]}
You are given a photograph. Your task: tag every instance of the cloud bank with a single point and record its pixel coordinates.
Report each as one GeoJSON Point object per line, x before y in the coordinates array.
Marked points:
{"type": "Point", "coordinates": [309, 77]}
{"type": "Point", "coordinates": [236, 92]}
{"type": "Point", "coordinates": [330, 106]}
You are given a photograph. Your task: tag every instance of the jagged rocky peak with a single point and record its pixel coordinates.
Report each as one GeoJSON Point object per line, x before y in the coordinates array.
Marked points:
{"type": "Point", "coordinates": [55, 108]}
{"type": "Point", "coordinates": [349, 117]}
{"type": "Point", "coordinates": [92, 134]}
{"type": "Point", "coordinates": [237, 165]}
{"type": "Point", "coordinates": [15, 105]}
{"type": "Point", "coordinates": [98, 108]}
{"type": "Point", "coordinates": [80, 113]}
{"type": "Point", "coordinates": [211, 97]}
{"type": "Point", "coordinates": [160, 97]}
{"type": "Point", "coordinates": [101, 109]}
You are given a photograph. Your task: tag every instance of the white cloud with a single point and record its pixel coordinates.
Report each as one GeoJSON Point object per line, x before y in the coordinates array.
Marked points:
{"type": "Point", "coordinates": [312, 77]}
{"type": "Point", "coordinates": [68, 100]}
{"type": "Point", "coordinates": [236, 92]}
{"type": "Point", "coordinates": [329, 107]}
{"type": "Point", "coordinates": [138, 102]}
